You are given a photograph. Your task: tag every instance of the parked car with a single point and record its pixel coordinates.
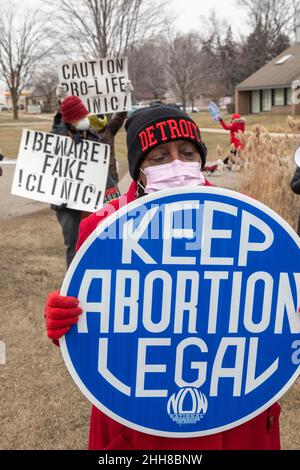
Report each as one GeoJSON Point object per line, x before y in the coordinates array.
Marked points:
{"type": "Point", "coordinates": [134, 107]}
{"type": "Point", "coordinates": [190, 110]}
{"type": "Point", "coordinates": [3, 107]}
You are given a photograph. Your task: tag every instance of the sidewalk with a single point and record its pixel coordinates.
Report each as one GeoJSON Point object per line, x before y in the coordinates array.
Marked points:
{"type": "Point", "coordinates": [12, 206]}
{"type": "Point", "coordinates": [222, 131]}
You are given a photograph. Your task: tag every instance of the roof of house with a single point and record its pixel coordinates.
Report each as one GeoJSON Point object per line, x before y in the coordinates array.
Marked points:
{"type": "Point", "coordinates": [274, 75]}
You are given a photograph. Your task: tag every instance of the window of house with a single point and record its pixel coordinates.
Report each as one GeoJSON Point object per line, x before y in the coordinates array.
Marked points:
{"type": "Point", "coordinates": [279, 97]}
{"type": "Point", "coordinates": [284, 59]}
{"type": "Point", "coordinates": [289, 98]}
{"type": "Point", "coordinates": [255, 101]}
{"type": "Point", "coordinates": [266, 100]}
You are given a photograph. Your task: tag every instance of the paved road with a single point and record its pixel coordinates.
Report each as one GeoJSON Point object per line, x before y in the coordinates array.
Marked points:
{"type": "Point", "coordinates": [11, 206]}
{"type": "Point", "coordinates": [222, 131]}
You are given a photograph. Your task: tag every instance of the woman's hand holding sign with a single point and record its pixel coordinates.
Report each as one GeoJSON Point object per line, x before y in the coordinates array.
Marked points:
{"type": "Point", "coordinates": [61, 312]}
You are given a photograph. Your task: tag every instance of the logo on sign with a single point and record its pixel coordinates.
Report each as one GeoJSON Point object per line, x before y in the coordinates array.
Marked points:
{"type": "Point", "coordinates": [190, 300]}
{"type": "Point", "coordinates": [188, 406]}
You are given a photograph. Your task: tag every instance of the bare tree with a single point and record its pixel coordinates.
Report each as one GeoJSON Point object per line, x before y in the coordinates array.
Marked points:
{"type": "Point", "coordinates": [185, 66]}
{"type": "Point", "coordinates": [295, 14]}
{"type": "Point", "coordinates": [24, 41]}
{"type": "Point", "coordinates": [275, 17]}
{"type": "Point", "coordinates": [147, 69]}
{"type": "Point", "coordinates": [44, 83]}
{"type": "Point", "coordinates": [104, 28]}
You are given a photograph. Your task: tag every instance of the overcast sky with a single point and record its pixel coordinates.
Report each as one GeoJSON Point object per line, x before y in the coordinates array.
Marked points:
{"type": "Point", "coordinates": [189, 14]}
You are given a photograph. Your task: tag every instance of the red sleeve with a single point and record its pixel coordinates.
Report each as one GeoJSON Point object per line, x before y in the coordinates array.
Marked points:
{"type": "Point", "coordinates": [88, 225]}
{"type": "Point", "coordinates": [84, 231]}
{"type": "Point", "coordinates": [225, 126]}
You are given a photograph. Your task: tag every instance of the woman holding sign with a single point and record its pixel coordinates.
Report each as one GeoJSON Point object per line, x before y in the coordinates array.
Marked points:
{"type": "Point", "coordinates": [165, 150]}
{"type": "Point", "coordinates": [236, 127]}
{"type": "Point", "coordinates": [106, 131]}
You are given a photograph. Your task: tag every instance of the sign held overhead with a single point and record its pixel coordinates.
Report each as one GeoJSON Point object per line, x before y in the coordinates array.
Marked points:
{"type": "Point", "coordinates": [101, 83]}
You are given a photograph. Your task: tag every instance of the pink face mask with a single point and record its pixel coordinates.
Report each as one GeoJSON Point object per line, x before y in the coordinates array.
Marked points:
{"type": "Point", "coordinates": [173, 175]}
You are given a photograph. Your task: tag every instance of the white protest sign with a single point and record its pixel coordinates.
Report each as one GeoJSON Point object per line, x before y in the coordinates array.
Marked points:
{"type": "Point", "coordinates": [101, 83]}
{"type": "Point", "coordinates": [34, 109]}
{"type": "Point", "coordinates": [214, 112]}
{"type": "Point", "coordinates": [54, 169]}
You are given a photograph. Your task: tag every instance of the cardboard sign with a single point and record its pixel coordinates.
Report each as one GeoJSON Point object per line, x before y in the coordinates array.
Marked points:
{"type": "Point", "coordinates": [34, 109]}
{"type": "Point", "coordinates": [190, 324]}
{"type": "Point", "coordinates": [100, 83]}
{"type": "Point", "coordinates": [214, 112]}
{"type": "Point", "coordinates": [54, 169]}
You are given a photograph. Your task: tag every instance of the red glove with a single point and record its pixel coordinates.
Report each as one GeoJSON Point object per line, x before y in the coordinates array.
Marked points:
{"type": "Point", "coordinates": [61, 313]}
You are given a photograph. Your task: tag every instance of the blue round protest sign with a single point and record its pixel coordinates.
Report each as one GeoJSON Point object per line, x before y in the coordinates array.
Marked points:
{"type": "Point", "coordinates": [190, 323]}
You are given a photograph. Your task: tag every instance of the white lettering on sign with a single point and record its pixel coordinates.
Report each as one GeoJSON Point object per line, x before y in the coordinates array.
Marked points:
{"type": "Point", "coordinates": [191, 301]}
{"type": "Point", "coordinates": [200, 367]}
{"type": "Point", "coordinates": [248, 221]}
{"type": "Point", "coordinates": [171, 233]}
{"type": "Point", "coordinates": [211, 282]}
{"type": "Point", "coordinates": [143, 367]}
{"type": "Point", "coordinates": [210, 236]}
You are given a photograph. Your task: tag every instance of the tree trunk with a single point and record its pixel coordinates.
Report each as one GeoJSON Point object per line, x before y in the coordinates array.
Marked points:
{"type": "Point", "coordinates": [14, 99]}
{"type": "Point", "coordinates": [184, 101]}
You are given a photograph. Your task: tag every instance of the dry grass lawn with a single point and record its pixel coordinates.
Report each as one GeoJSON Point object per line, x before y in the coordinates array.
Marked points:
{"type": "Point", "coordinates": [41, 408]}
{"type": "Point", "coordinates": [11, 131]}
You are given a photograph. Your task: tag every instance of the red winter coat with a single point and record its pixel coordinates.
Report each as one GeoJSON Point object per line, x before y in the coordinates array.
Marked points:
{"type": "Point", "coordinates": [260, 433]}
{"type": "Point", "coordinates": [235, 127]}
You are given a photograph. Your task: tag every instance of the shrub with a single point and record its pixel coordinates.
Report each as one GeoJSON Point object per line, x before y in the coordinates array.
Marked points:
{"type": "Point", "coordinates": [268, 169]}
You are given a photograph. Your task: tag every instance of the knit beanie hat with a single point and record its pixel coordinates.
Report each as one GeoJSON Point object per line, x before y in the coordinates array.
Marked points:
{"type": "Point", "coordinates": [73, 109]}
{"type": "Point", "coordinates": [149, 127]}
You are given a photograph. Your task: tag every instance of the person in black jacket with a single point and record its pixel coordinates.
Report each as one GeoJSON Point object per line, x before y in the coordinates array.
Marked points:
{"type": "Point", "coordinates": [107, 130]}
{"type": "Point", "coordinates": [72, 121]}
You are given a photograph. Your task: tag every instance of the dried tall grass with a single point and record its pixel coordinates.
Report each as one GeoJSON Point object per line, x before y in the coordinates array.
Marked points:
{"type": "Point", "coordinates": [268, 169]}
